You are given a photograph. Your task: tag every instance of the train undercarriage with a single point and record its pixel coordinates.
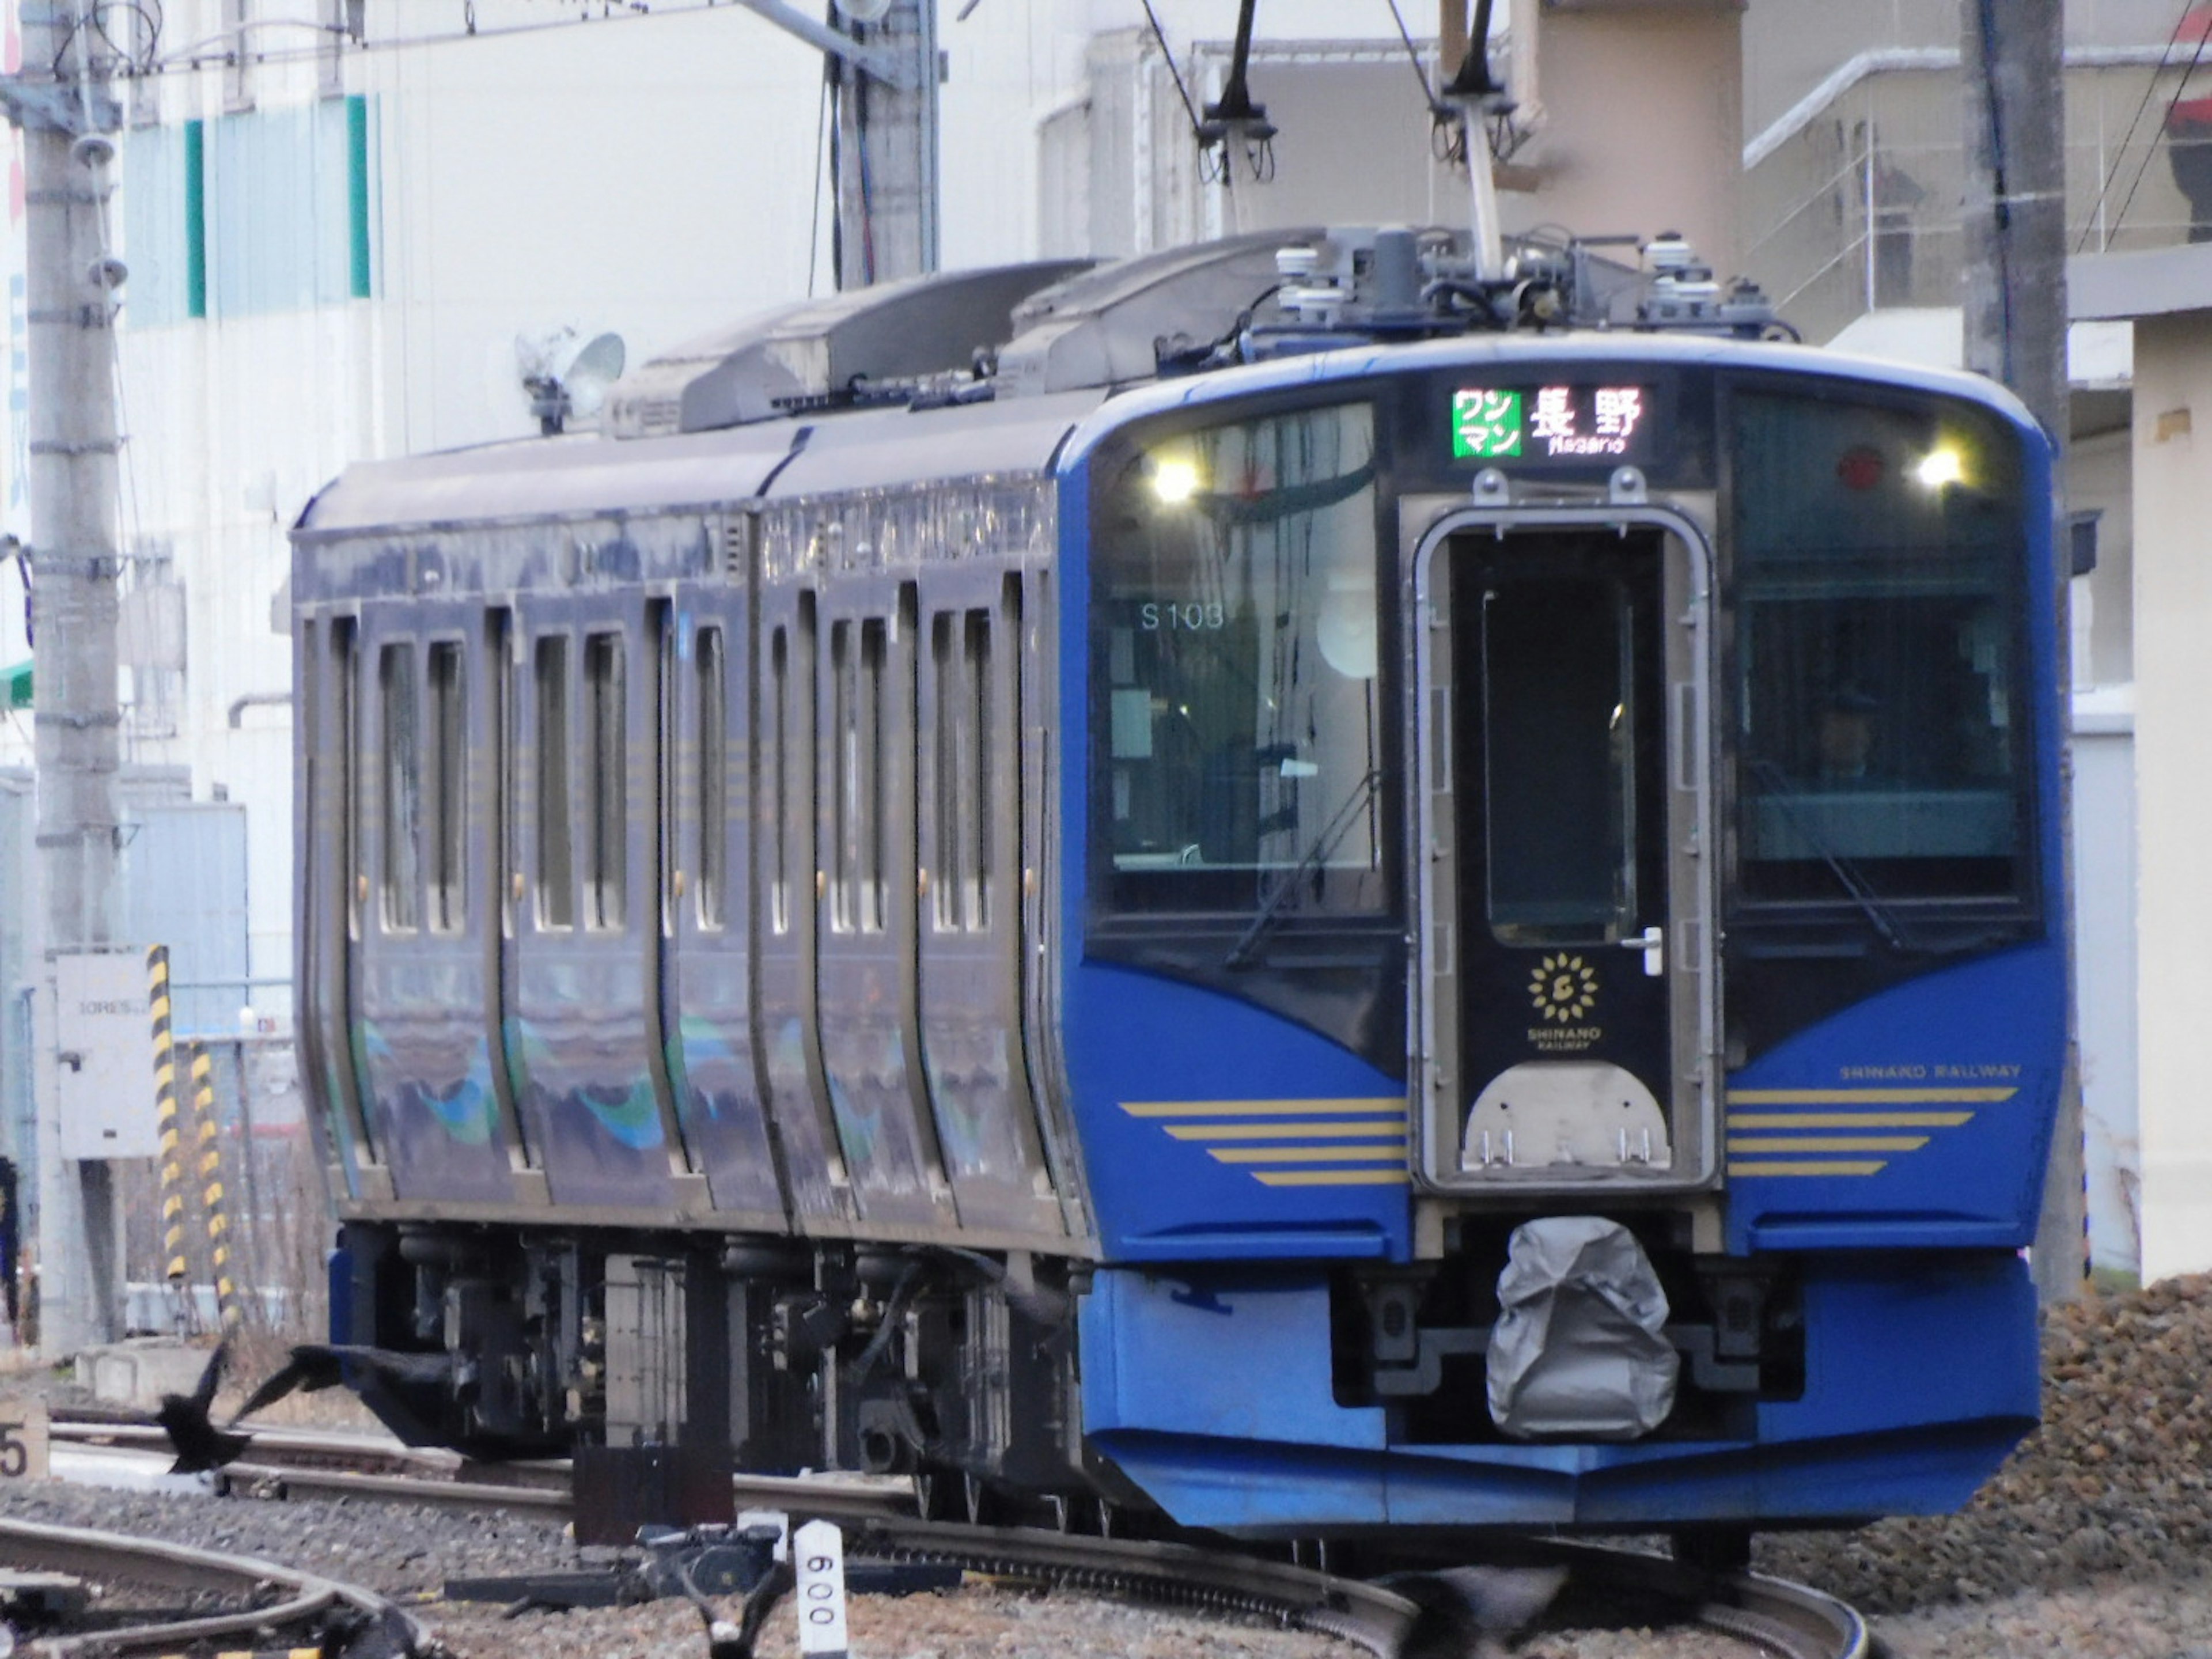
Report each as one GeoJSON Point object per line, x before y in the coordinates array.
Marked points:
{"type": "Point", "coordinates": [960, 1368]}
{"type": "Point", "coordinates": [776, 1355]}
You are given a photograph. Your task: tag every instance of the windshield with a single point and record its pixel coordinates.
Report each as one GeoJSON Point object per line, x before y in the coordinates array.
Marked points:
{"type": "Point", "coordinates": [1878, 639]}
{"type": "Point", "coordinates": [1234, 659]}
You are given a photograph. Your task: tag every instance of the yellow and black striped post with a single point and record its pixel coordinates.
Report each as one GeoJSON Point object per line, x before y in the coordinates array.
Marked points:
{"type": "Point", "coordinates": [172, 1146]}
{"type": "Point", "coordinates": [211, 1175]}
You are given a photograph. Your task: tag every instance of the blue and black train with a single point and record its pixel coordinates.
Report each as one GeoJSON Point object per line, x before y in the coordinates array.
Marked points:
{"type": "Point", "coordinates": [1433, 902]}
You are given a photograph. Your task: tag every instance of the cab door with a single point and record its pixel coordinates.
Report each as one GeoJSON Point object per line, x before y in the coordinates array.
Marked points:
{"type": "Point", "coordinates": [1568, 993]}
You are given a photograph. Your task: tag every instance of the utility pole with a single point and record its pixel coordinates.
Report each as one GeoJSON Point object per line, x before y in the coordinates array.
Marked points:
{"type": "Point", "coordinates": [883, 67]}
{"type": "Point", "coordinates": [887, 144]}
{"type": "Point", "coordinates": [62, 102]}
{"type": "Point", "coordinates": [2011, 64]}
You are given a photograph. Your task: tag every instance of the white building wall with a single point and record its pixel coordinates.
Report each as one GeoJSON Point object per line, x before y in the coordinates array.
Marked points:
{"type": "Point", "coordinates": [2172, 620]}
{"type": "Point", "coordinates": [653, 176]}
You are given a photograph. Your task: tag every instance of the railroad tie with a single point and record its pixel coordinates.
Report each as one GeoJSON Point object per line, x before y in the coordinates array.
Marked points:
{"type": "Point", "coordinates": [211, 1198]}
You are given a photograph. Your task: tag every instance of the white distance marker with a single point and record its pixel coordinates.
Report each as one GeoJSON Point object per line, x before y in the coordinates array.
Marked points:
{"type": "Point", "coordinates": [819, 1549]}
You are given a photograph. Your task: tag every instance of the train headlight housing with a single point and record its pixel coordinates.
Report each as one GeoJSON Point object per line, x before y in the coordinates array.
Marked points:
{"type": "Point", "coordinates": [1941, 466]}
{"type": "Point", "coordinates": [1174, 481]}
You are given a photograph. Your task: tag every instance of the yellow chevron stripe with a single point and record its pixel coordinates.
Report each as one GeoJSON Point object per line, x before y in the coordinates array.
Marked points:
{"type": "Point", "coordinates": [1395, 1149]}
{"type": "Point", "coordinates": [1867, 1097]}
{"type": "Point", "coordinates": [1260, 1108]}
{"type": "Point", "coordinates": [1840, 1167]}
{"type": "Point", "coordinates": [1831, 1144]}
{"type": "Point", "coordinates": [1848, 1119]}
{"type": "Point", "coordinates": [1330, 1177]}
{"type": "Point", "coordinates": [1279, 1131]}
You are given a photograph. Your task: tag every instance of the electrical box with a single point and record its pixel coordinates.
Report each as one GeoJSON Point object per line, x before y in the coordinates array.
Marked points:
{"type": "Point", "coordinates": [104, 1054]}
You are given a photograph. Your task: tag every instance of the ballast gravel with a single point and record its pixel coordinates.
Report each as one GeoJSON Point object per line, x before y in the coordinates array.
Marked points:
{"type": "Point", "coordinates": [2093, 1542]}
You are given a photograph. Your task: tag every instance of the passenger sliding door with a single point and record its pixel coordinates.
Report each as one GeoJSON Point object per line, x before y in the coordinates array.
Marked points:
{"type": "Point", "coordinates": [968, 932]}
{"type": "Point", "coordinates": [786, 877]}
{"type": "Point", "coordinates": [584, 1016]}
{"type": "Point", "coordinates": [327, 800]}
{"type": "Point", "coordinates": [421, 978]}
{"type": "Point", "coordinates": [864, 831]}
{"type": "Point", "coordinates": [706, 989]}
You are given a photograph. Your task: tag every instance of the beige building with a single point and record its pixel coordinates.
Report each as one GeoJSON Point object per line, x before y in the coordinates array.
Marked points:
{"type": "Point", "coordinates": [2165, 296]}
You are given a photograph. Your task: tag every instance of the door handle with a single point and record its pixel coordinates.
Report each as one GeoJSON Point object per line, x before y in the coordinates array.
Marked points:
{"type": "Point", "coordinates": [1652, 941]}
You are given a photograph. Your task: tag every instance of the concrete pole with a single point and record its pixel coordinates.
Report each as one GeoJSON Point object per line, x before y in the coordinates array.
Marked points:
{"type": "Point", "coordinates": [887, 191]}
{"type": "Point", "coordinates": [2015, 332]}
{"type": "Point", "coordinates": [67, 177]}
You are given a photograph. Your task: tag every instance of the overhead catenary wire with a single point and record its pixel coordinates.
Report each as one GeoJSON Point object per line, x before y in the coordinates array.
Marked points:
{"type": "Point", "coordinates": [225, 48]}
{"type": "Point", "coordinates": [1436, 111]}
{"type": "Point", "coordinates": [1190, 109]}
{"type": "Point", "coordinates": [2203, 36]}
{"type": "Point", "coordinates": [2120, 155]}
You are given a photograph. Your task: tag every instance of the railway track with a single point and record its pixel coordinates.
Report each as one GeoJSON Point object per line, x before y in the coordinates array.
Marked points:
{"type": "Point", "coordinates": [271, 1606]}
{"type": "Point", "coordinates": [1608, 1585]}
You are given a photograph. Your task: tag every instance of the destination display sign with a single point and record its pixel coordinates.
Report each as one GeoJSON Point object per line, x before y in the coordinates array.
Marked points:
{"type": "Point", "coordinates": [1550, 423]}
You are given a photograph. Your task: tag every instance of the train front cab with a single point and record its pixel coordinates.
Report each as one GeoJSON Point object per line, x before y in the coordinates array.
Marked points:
{"type": "Point", "coordinates": [1587, 927]}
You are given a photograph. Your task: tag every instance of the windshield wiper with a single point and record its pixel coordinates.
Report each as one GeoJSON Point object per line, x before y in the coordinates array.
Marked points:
{"type": "Point", "coordinates": [1242, 953]}
{"type": "Point", "coordinates": [1847, 876]}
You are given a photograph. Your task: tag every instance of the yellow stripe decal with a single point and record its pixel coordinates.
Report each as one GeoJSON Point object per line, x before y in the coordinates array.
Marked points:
{"type": "Point", "coordinates": [1260, 1108]}
{"type": "Point", "coordinates": [1848, 1119]}
{"type": "Point", "coordinates": [1867, 1096]}
{"type": "Point", "coordinates": [1330, 1177]}
{"type": "Point", "coordinates": [1393, 1150]}
{"type": "Point", "coordinates": [1830, 1143]}
{"type": "Point", "coordinates": [1282, 1131]}
{"type": "Point", "coordinates": [1834, 1167]}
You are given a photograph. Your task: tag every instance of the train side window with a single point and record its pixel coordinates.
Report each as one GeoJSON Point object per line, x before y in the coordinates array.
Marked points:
{"type": "Point", "coordinates": [868, 748]}
{"type": "Point", "coordinates": [401, 874]}
{"type": "Point", "coordinates": [556, 879]}
{"type": "Point", "coordinates": [607, 825]}
{"type": "Point", "coordinates": [713, 685]}
{"type": "Point", "coordinates": [961, 648]}
{"type": "Point", "coordinates": [498, 635]}
{"type": "Point", "coordinates": [977, 794]}
{"type": "Point", "coordinates": [779, 896]}
{"type": "Point", "coordinates": [845, 787]}
{"type": "Point", "coordinates": [945, 781]}
{"type": "Point", "coordinates": [446, 774]}
{"type": "Point", "coordinates": [343, 666]}
{"type": "Point", "coordinates": [668, 806]}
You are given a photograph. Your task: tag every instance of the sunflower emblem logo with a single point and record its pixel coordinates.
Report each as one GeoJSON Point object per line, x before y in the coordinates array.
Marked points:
{"type": "Point", "coordinates": [1563, 988]}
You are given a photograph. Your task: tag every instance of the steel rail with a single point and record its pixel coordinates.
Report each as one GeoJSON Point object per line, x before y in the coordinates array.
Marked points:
{"type": "Point", "coordinates": [1789, 1621]}
{"type": "Point", "coordinates": [309, 1597]}
{"type": "Point", "coordinates": [284, 1462]}
{"type": "Point", "coordinates": [1368, 1615]}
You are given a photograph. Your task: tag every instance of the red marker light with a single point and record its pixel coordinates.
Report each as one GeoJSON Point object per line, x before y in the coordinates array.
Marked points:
{"type": "Point", "coordinates": [1861, 467]}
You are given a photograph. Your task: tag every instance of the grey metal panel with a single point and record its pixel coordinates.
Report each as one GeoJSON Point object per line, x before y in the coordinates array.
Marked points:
{"type": "Point", "coordinates": [183, 885]}
{"type": "Point", "coordinates": [1098, 328]}
{"type": "Point", "coordinates": [548, 477]}
{"type": "Point", "coordinates": [925, 326]}
{"type": "Point", "coordinates": [878, 448]}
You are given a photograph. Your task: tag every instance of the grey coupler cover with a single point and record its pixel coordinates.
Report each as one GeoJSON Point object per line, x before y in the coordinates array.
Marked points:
{"type": "Point", "coordinates": [1579, 1348]}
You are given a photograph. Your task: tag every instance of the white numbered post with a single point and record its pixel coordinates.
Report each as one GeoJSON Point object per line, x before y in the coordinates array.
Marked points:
{"type": "Point", "coordinates": [22, 1440]}
{"type": "Point", "coordinates": [818, 1551]}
